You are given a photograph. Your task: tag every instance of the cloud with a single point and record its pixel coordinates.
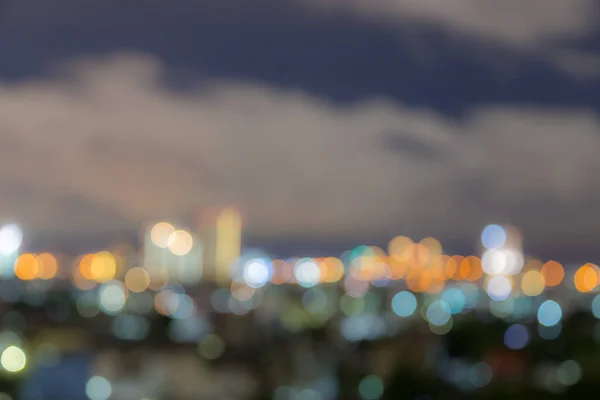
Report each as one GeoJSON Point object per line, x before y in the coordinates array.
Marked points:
{"type": "Point", "coordinates": [107, 136]}
{"type": "Point", "coordinates": [526, 23]}
{"type": "Point", "coordinates": [546, 27]}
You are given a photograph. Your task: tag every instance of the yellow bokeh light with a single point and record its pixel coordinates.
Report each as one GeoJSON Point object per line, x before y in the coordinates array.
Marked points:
{"type": "Point", "coordinates": [27, 267]}
{"type": "Point", "coordinates": [161, 234]}
{"type": "Point", "coordinates": [398, 246]}
{"type": "Point", "coordinates": [533, 283]}
{"type": "Point", "coordinates": [433, 245]}
{"type": "Point", "coordinates": [180, 242]}
{"type": "Point", "coordinates": [553, 272]}
{"type": "Point", "coordinates": [103, 266]}
{"type": "Point", "coordinates": [137, 279]}
{"type": "Point", "coordinates": [586, 278]}
{"type": "Point", "coordinates": [48, 266]}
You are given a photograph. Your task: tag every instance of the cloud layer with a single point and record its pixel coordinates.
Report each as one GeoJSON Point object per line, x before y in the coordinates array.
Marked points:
{"type": "Point", "coordinates": [104, 145]}
{"type": "Point", "coordinates": [548, 28]}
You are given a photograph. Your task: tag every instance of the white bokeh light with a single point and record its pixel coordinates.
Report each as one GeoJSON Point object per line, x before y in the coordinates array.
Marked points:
{"type": "Point", "coordinates": [307, 272]}
{"type": "Point", "coordinates": [112, 297]}
{"type": "Point", "coordinates": [98, 388]}
{"type": "Point", "coordinates": [180, 242]}
{"type": "Point", "coordinates": [257, 272]}
{"type": "Point", "coordinates": [161, 234]}
{"type": "Point", "coordinates": [13, 359]}
{"type": "Point", "coordinates": [514, 261]}
{"type": "Point", "coordinates": [11, 238]}
{"type": "Point", "coordinates": [499, 288]}
{"type": "Point", "coordinates": [494, 262]}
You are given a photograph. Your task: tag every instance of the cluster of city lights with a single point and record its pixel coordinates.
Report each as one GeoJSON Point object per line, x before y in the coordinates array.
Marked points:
{"type": "Point", "coordinates": [373, 292]}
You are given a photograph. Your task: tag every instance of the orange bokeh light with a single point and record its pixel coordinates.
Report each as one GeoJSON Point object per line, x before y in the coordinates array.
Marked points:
{"type": "Point", "coordinates": [85, 266]}
{"type": "Point", "coordinates": [457, 262]}
{"type": "Point", "coordinates": [419, 280]}
{"type": "Point", "coordinates": [398, 268]}
{"type": "Point", "coordinates": [470, 269]}
{"type": "Point", "coordinates": [27, 267]}
{"type": "Point", "coordinates": [48, 266]}
{"type": "Point", "coordinates": [553, 273]}
{"type": "Point", "coordinates": [586, 278]}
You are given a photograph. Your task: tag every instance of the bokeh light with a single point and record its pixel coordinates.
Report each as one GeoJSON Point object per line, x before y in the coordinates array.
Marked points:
{"type": "Point", "coordinates": [569, 373]}
{"type": "Point", "coordinates": [553, 273]}
{"type": "Point", "coordinates": [307, 272]}
{"type": "Point", "coordinates": [493, 237]}
{"type": "Point", "coordinates": [112, 297]}
{"type": "Point", "coordinates": [438, 313]}
{"type": "Point", "coordinates": [404, 304]}
{"type": "Point", "coordinates": [549, 313]}
{"type": "Point", "coordinates": [11, 238]}
{"type": "Point", "coordinates": [103, 266]}
{"type": "Point", "coordinates": [211, 347]}
{"type": "Point", "coordinates": [180, 242]}
{"type": "Point", "coordinates": [533, 283]}
{"type": "Point", "coordinates": [13, 359]}
{"type": "Point", "coordinates": [499, 288]}
{"type": "Point", "coordinates": [586, 278]}
{"type": "Point", "coordinates": [516, 337]}
{"type": "Point", "coordinates": [481, 374]}
{"type": "Point", "coordinates": [98, 388]}
{"type": "Point", "coordinates": [455, 299]}
{"type": "Point", "coordinates": [137, 279]}
{"type": "Point", "coordinates": [371, 387]}
{"type": "Point", "coordinates": [596, 306]}
{"type": "Point", "coordinates": [27, 267]}
{"type": "Point", "coordinates": [257, 272]}
{"type": "Point", "coordinates": [161, 234]}
{"type": "Point", "coordinates": [48, 266]}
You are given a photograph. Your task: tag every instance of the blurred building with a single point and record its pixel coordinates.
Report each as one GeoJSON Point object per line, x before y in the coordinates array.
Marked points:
{"type": "Point", "coordinates": [220, 231]}
{"type": "Point", "coordinates": [173, 253]}
{"type": "Point", "coordinates": [209, 252]}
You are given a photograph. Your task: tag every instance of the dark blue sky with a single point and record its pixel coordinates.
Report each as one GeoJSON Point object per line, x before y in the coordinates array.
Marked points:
{"type": "Point", "coordinates": [336, 56]}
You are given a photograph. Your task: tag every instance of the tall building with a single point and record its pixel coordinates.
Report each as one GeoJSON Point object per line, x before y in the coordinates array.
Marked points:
{"type": "Point", "coordinates": [220, 231]}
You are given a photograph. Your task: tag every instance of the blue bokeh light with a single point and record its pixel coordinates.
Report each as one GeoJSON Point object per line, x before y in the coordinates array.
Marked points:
{"type": "Point", "coordinates": [493, 237]}
{"type": "Point", "coordinates": [404, 304]}
{"type": "Point", "coordinates": [439, 313]}
{"type": "Point", "coordinates": [549, 313]}
{"type": "Point", "coordinates": [516, 337]}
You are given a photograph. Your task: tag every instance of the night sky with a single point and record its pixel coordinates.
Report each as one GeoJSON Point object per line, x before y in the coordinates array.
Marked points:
{"type": "Point", "coordinates": [324, 121]}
